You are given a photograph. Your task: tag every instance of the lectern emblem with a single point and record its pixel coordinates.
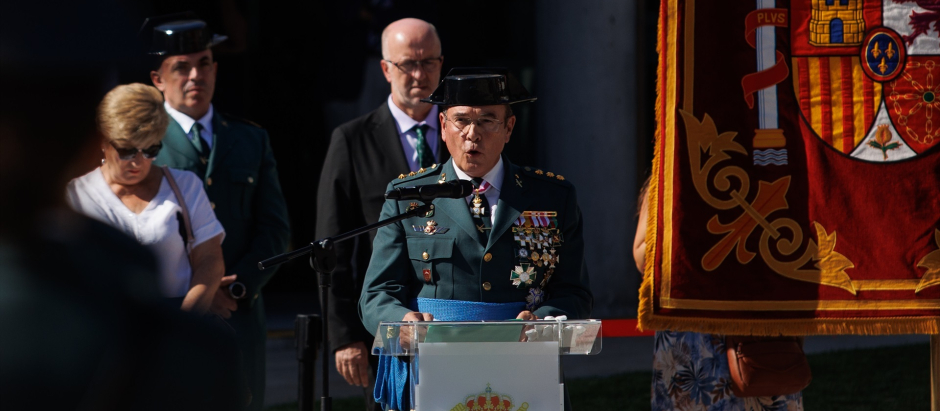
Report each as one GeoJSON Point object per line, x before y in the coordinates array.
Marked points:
{"type": "Point", "coordinates": [489, 401]}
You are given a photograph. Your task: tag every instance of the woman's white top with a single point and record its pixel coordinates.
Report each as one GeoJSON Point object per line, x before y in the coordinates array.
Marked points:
{"type": "Point", "coordinates": [157, 226]}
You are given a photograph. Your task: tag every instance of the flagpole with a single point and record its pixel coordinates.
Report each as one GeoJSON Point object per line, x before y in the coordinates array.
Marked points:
{"type": "Point", "coordinates": [768, 137]}
{"type": "Point", "coordinates": [935, 372]}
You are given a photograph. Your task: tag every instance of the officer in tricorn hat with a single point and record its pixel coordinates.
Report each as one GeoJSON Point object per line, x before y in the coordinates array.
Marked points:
{"type": "Point", "coordinates": [516, 241]}
{"type": "Point", "coordinates": [233, 158]}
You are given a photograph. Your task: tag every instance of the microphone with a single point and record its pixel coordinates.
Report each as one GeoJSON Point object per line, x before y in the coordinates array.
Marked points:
{"type": "Point", "coordinates": [450, 189]}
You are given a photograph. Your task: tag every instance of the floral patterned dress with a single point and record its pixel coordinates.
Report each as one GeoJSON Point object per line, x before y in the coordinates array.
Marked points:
{"type": "Point", "coordinates": [690, 372]}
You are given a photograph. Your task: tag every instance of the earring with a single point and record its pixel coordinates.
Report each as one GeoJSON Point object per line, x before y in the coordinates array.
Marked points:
{"type": "Point", "coordinates": [102, 161]}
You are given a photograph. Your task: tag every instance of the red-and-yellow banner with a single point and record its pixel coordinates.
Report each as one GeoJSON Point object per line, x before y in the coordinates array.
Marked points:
{"type": "Point", "coordinates": [810, 203]}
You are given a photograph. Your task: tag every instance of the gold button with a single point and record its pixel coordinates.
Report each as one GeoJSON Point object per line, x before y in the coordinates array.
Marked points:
{"type": "Point", "coordinates": [251, 179]}
{"type": "Point", "coordinates": [487, 286]}
{"type": "Point", "coordinates": [212, 204]}
{"type": "Point", "coordinates": [209, 181]}
{"type": "Point", "coordinates": [425, 255]}
{"type": "Point", "coordinates": [487, 257]}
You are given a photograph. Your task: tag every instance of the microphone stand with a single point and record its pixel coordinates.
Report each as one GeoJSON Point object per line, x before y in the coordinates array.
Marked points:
{"type": "Point", "coordinates": [323, 261]}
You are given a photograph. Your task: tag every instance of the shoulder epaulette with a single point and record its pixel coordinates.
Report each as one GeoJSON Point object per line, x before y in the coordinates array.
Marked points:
{"type": "Point", "coordinates": [241, 120]}
{"type": "Point", "coordinates": [416, 174]}
{"type": "Point", "coordinates": [546, 175]}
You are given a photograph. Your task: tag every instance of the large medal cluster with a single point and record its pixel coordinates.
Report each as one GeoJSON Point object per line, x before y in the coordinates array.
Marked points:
{"type": "Point", "coordinates": [538, 237]}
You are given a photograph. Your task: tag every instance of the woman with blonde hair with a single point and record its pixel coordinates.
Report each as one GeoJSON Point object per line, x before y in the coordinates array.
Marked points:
{"type": "Point", "coordinates": [149, 203]}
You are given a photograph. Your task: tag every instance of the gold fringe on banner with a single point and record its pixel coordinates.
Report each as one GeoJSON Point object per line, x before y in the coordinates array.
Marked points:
{"type": "Point", "coordinates": [865, 326]}
{"type": "Point", "coordinates": [645, 309]}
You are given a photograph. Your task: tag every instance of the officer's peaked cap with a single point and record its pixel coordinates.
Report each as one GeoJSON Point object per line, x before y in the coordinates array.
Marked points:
{"type": "Point", "coordinates": [179, 33]}
{"type": "Point", "coordinates": [479, 86]}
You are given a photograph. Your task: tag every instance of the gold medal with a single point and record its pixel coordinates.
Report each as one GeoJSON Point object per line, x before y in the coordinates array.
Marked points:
{"type": "Point", "coordinates": [478, 209]}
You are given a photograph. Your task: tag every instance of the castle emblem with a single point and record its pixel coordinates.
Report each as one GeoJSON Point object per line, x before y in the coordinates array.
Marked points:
{"type": "Point", "coordinates": [836, 23]}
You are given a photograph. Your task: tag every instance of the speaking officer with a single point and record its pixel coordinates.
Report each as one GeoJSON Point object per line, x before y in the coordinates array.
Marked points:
{"type": "Point", "coordinates": [235, 162]}
{"type": "Point", "coordinates": [516, 242]}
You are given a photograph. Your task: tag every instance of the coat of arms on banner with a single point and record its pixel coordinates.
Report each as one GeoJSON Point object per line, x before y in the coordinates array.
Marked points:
{"type": "Point", "coordinates": [811, 202]}
{"type": "Point", "coordinates": [489, 401]}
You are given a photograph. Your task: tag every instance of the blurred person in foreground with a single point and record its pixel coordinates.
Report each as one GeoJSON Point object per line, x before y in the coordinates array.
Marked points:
{"type": "Point", "coordinates": [690, 368]}
{"type": "Point", "coordinates": [84, 324]}
{"type": "Point", "coordinates": [400, 136]}
{"type": "Point", "coordinates": [131, 194]}
{"type": "Point", "coordinates": [233, 158]}
{"type": "Point", "coordinates": [513, 249]}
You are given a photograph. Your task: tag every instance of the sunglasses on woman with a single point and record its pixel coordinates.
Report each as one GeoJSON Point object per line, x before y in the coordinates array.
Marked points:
{"type": "Point", "coordinates": [129, 153]}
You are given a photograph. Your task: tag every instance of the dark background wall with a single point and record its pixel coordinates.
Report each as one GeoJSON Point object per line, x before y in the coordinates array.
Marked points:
{"type": "Point", "coordinates": [300, 69]}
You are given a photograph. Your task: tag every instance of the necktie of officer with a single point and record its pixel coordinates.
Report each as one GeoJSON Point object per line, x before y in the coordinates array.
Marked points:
{"type": "Point", "coordinates": [425, 156]}
{"type": "Point", "coordinates": [480, 209]}
{"type": "Point", "coordinates": [202, 146]}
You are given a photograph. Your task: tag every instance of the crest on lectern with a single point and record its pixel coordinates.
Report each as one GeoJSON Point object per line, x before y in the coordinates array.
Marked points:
{"type": "Point", "coordinates": [489, 401]}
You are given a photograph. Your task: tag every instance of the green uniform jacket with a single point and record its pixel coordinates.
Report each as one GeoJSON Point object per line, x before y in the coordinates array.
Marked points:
{"type": "Point", "coordinates": [240, 178]}
{"type": "Point", "coordinates": [461, 268]}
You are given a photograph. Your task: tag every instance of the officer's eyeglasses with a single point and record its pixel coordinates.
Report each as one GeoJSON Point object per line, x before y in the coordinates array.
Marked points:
{"type": "Point", "coordinates": [428, 65]}
{"type": "Point", "coordinates": [462, 124]}
{"type": "Point", "coordinates": [128, 154]}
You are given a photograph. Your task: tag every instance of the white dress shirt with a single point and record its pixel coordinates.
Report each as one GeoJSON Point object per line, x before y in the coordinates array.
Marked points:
{"type": "Point", "coordinates": [409, 139]}
{"type": "Point", "coordinates": [495, 178]}
{"type": "Point", "coordinates": [186, 122]}
{"type": "Point", "coordinates": [157, 226]}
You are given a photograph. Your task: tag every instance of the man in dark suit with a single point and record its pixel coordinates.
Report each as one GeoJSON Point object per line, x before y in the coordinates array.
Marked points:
{"type": "Point", "coordinates": [399, 137]}
{"type": "Point", "coordinates": [234, 159]}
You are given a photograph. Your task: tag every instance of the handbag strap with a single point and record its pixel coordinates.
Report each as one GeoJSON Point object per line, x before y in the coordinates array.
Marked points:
{"type": "Point", "coordinates": [182, 203]}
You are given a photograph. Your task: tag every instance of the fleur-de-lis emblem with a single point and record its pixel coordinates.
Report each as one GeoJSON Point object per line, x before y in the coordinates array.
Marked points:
{"type": "Point", "coordinates": [883, 141]}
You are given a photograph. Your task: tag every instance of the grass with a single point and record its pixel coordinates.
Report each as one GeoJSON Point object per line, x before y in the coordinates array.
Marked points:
{"type": "Point", "coordinates": [887, 378]}
{"type": "Point", "coordinates": [883, 379]}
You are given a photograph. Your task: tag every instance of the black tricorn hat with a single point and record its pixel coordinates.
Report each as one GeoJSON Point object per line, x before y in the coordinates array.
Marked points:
{"type": "Point", "coordinates": [479, 86]}
{"type": "Point", "coordinates": [180, 33]}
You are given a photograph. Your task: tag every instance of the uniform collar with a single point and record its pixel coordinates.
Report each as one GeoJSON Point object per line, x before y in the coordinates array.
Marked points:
{"type": "Point", "coordinates": [186, 122]}
{"type": "Point", "coordinates": [494, 176]}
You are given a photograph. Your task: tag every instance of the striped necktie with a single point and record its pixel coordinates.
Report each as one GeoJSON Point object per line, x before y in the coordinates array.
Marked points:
{"type": "Point", "coordinates": [480, 209]}
{"type": "Point", "coordinates": [425, 156]}
{"type": "Point", "coordinates": [202, 146]}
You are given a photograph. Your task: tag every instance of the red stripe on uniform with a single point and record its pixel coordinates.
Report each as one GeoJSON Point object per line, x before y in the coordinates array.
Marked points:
{"type": "Point", "coordinates": [848, 106]}
{"type": "Point", "coordinates": [826, 103]}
